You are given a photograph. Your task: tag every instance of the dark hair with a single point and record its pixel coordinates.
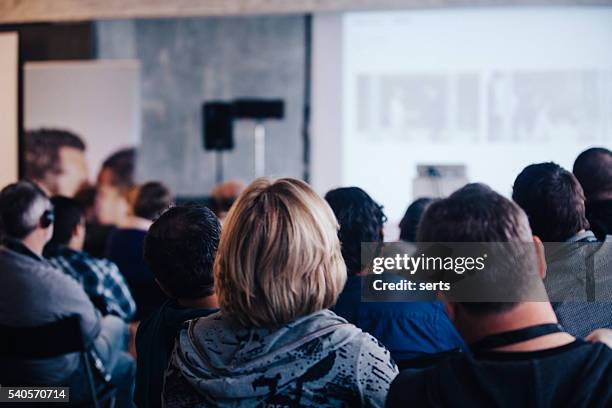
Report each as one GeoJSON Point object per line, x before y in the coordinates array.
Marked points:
{"type": "Point", "coordinates": [593, 169]}
{"type": "Point", "coordinates": [86, 196]}
{"type": "Point", "coordinates": [361, 219]}
{"type": "Point", "coordinates": [180, 250]}
{"type": "Point", "coordinates": [475, 213]}
{"type": "Point", "coordinates": [122, 165]}
{"type": "Point", "coordinates": [18, 213]}
{"type": "Point", "coordinates": [409, 223]}
{"type": "Point", "coordinates": [152, 199]}
{"type": "Point", "coordinates": [553, 200]}
{"type": "Point", "coordinates": [42, 148]}
{"type": "Point", "coordinates": [68, 214]}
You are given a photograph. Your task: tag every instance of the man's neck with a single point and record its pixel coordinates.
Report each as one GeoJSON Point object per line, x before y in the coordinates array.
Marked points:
{"type": "Point", "coordinates": [134, 222]}
{"type": "Point", "coordinates": [75, 244]}
{"type": "Point", "coordinates": [521, 316]}
{"type": "Point", "coordinates": [34, 244]}
{"type": "Point", "coordinates": [208, 302]}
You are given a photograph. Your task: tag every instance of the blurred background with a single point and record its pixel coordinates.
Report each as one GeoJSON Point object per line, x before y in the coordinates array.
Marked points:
{"type": "Point", "coordinates": [404, 98]}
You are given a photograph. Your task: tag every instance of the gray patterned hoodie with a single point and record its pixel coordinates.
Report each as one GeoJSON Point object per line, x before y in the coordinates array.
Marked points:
{"type": "Point", "coordinates": [317, 360]}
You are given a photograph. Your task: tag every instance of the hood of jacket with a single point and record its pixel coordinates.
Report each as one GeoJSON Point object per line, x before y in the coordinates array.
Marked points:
{"type": "Point", "coordinates": [226, 361]}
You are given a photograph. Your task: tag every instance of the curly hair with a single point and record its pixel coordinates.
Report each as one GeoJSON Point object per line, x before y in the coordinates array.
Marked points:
{"type": "Point", "coordinates": [180, 249]}
{"type": "Point", "coordinates": [361, 219]}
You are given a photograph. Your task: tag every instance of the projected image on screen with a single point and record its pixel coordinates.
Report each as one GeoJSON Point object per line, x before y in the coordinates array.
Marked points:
{"type": "Point", "coordinates": [466, 87]}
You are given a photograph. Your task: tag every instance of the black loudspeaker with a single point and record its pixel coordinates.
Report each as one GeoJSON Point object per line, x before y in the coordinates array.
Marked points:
{"type": "Point", "coordinates": [218, 126]}
{"type": "Point", "coordinates": [259, 109]}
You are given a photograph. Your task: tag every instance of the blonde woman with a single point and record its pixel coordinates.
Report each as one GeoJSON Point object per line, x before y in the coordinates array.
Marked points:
{"type": "Point", "coordinates": [274, 342]}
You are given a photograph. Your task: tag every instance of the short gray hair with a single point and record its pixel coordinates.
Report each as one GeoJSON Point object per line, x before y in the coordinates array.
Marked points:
{"type": "Point", "coordinates": [22, 204]}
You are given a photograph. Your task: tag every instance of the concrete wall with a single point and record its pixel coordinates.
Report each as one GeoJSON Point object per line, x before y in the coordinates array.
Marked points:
{"type": "Point", "coordinates": [190, 60]}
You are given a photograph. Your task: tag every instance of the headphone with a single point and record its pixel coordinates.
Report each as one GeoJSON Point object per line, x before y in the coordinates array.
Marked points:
{"type": "Point", "coordinates": [47, 218]}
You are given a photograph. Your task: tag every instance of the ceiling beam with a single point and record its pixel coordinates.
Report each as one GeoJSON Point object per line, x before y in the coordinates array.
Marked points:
{"type": "Point", "coordinates": [27, 11]}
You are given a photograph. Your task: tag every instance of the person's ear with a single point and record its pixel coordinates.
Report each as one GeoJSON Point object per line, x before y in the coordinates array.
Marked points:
{"type": "Point", "coordinates": [540, 255]}
{"type": "Point", "coordinates": [79, 230]}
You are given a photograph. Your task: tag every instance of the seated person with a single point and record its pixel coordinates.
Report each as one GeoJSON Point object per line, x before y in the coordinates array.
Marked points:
{"type": "Point", "coordinates": [34, 293]}
{"type": "Point", "coordinates": [100, 278]}
{"type": "Point", "coordinates": [55, 161]}
{"type": "Point", "coordinates": [223, 196]}
{"type": "Point", "coordinates": [519, 356]}
{"type": "Point", "coordinates": [107, 204]}
{"type": "Point", "coordinates": [180, 249]}
{"type": "Point", "coordinates": [274, 343]}
{"type": "Point", "coordinates": [410, 222]}
{"type": "Point", "coordinates": [408, 329]}
{"type": "Point", "coordinates": [580, 290]}
{"type": "Point", "coordinates": [593, 169]}
{"type": "Point", "coordinates": [125, 245]}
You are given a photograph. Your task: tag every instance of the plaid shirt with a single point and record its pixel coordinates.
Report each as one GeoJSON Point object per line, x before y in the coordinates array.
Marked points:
{"type": "Point", "coordinates": [100, 279]}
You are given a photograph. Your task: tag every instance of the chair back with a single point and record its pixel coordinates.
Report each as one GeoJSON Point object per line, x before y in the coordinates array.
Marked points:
{"type": "Point", "coordinates": [50, 340]}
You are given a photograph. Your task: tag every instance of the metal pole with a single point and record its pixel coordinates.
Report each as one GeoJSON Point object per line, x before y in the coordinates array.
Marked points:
{"type": "Point", "coordinates": [260, 149]}
{"type": "Point", "coordinates": [219, 167]}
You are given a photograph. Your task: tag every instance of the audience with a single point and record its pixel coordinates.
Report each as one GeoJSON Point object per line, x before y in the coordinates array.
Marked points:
{"type": "Point", "coordinates": [34, 293]}
{"type": "Point", "coordinates": [180, 250]}
{"type": "Point", "coordinates": [408, 329]}
{"type": "Point", "coordinates": [125, 245]}
{"type": "Point", "coordinates": [553, 200]}
{"type": "Point", "coordinates": [241, 317]}
{"type": "Point", "coordinates": [100, 278]}
{"type": "Point", "coordinates": [593, 169]}
{"type": "Point", "coordinates": [410, 222]}
{"type": "Point", "coordinates": [274, 343]}
{"type": "Point", "coordinates": [55, 160]}
{"type": "Point", "coordinates": [224, 195]}
{"type": "Point", "coordinates": [519, 354]}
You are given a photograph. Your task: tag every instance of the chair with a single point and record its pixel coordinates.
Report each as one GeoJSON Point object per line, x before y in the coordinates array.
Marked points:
{"type": "Point", "coordinates": [53, 340]}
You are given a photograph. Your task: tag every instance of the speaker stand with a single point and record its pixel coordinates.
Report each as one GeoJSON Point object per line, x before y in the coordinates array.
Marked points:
{"type": "Point", "coordinates": [260, 149]}
{"type": "Point", "coordinates": [218, 166]}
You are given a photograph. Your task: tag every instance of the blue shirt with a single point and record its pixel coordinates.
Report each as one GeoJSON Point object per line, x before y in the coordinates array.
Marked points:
{"type": "Point", "coordinates": [408, 329]}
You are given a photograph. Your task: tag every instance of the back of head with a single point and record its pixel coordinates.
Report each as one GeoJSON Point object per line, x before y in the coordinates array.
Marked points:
{"type": "Point", "coordinates": [361, 219]}
{"type": "Point", "coordinates": [151, 200]}
{"type": "Point", "coordinates": [279, 257]}
{"type": "Point", "coordinates": [119, 169]}
{"type": "Point", "coordinates": [68, 214]}
{"type": "Point", "coordinates": [593, 169]}
{"type": "Point", "coordinates": [180, 249]}
{"type": "Point", "coordinates": [477, 214]}
{"type": "Point", "coordinates": [23, 208]}
{"type": "Point", "coordinates": [410, 221]}
{"type": "Point", "coordinates": [223, 196]}
{"type": "Point", "coordinates": [42, 154]}
{"type": "Point", "coordinates": [553, 200]}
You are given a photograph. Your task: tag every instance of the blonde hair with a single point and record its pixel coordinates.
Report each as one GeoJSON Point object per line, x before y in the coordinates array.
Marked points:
{"type": "Point", "coordinates": [279, 256]}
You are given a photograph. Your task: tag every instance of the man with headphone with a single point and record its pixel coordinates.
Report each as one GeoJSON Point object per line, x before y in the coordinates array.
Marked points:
{"type": "Point", "coordinates": [34, 293]}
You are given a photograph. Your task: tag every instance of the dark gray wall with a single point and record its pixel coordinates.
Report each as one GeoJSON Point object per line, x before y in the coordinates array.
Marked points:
{"type": "Point", "coordinates": [190, 60]}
